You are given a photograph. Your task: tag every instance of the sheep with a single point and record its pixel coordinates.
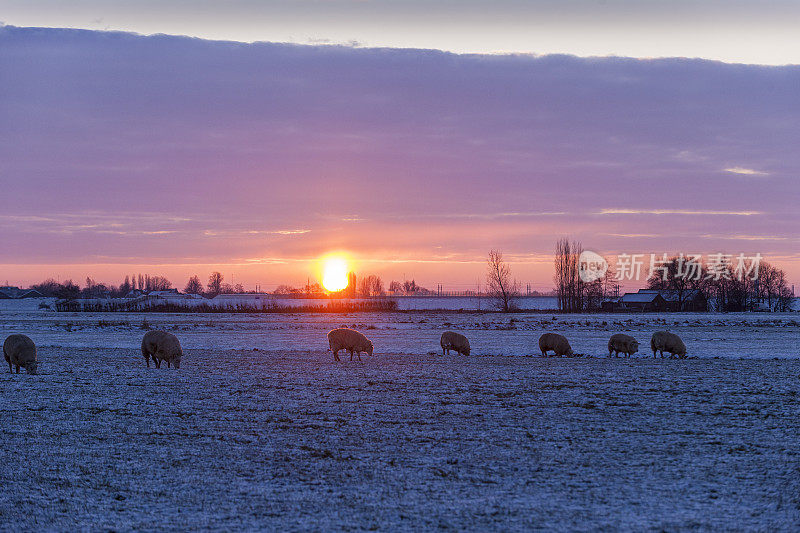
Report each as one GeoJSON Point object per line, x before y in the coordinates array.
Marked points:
{"type": "Point", "coordinates": [162, 346]}
{"type": "Point", "coordinates": [553, 341]}
{"type": "Point", "coordinates": [350, 340]}
{"type": "Point", "coordinates": [664, 341]}
{"type": "Point", "coordinates": [621, 343]}
{"type": "Point", "coordinates": [454, 341]}
{"type": "Point", "coordinates": [20, 351]}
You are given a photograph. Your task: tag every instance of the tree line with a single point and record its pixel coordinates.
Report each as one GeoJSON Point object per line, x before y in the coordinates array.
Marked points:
{"type": "Point", "coordinates": [724, 292]}
{"type": "Point", "coordinates": [368, 285]}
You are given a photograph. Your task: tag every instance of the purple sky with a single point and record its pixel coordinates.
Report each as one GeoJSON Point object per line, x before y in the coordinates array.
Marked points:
{"type": "Point", "coordinates": [170, 154]}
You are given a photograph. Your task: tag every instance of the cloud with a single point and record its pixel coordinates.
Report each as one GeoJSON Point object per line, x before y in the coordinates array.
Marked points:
{"type": "Point", "coordinates": [205, 151]}
{"type": "Point", "coordinates": [746, 171]}
{"type": "Point", "coordinates": [677, 212]}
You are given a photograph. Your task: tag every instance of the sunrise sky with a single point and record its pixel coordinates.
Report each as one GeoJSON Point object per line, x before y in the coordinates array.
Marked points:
{"type": "Point", "coordinates": [124, 153]}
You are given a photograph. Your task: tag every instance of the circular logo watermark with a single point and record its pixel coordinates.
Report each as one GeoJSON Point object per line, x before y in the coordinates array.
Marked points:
{"type": "Point", "coordinates": [591, 266]}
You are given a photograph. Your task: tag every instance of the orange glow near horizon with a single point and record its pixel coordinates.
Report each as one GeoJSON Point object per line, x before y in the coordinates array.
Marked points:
{"type": "Point", "coordinates": [334, 274]}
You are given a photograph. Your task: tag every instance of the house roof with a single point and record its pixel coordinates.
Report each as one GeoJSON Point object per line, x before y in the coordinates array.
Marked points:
{"type": "Point", "coordinates": [15, 292]}
{"type": "Point", "coordinates": [638, 297]}
{"type": "Point", "coordinates": [672, 295]}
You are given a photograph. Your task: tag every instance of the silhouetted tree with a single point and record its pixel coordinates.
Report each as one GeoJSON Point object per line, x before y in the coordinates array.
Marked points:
{"type": "Point", "coordinates": [570, 288]}
{"type": "Point", "coordinates": [677, 276]}
{"type": "Point", "coordinates": [49, 287]}
{"type": "Point", "coordinates": [214, 284]}
{"type": "Point", "coordinates": [499, 285]}
{"type": "Point", "coordinates": [158, 283]}
{"type": "Point", "coordinates": [94, 289]}
{"type": "Point", "coordinates": [370, 286]}
{"type": "Point", "coordinates": [68, 290]}
{"type": "Point", "coordinates": [193, 286]}
{"type": "Point", "coordinates": [125, 287]}
{"type": "Point", "coordinates": [410, 287]}
{"type": "Point", "coordinates": [284, 290]}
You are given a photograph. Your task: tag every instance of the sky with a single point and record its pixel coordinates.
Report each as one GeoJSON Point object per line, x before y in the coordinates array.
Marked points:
{"type": "Point", "coordinates": [738, 31]}
{"type": "Point", "coordinates": [124, 153]}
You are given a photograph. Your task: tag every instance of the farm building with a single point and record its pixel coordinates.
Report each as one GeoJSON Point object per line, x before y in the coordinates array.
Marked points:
{"type": "Point", "coordinates": [15, 293]}
{"type": "Point", "coordinates": [637, 301]}
{"type": "Point", "coordinates": [659, 300]}
{"type": "Point", "coordinates": [685, 300]}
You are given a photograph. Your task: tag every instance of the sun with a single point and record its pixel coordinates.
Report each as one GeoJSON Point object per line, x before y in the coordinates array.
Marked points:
{"type": "Point", "coordinates": [334, 274]}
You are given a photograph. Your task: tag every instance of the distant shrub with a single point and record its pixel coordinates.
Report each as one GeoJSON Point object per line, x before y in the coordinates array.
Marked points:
{"type": "Point", "coordinates": [335, 306]}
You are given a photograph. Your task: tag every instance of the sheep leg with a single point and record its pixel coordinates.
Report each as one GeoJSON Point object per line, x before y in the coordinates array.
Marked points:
{"type": "Point", "coordinates": [17, 368]}
{"type": "Point", "coordinates": [358, 353]}
{"type": "Point", "coordinates": [544, 353]}
{"type": "Point", "coordinates": [351, 354]}
{"type": "Point", "coordinates": [9, 367]}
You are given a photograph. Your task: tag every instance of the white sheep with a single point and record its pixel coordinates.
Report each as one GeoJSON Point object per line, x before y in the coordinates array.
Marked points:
{"type": "Point", "coordinates": [621, 343]}
{"type": "Point", "coordinates": [454, 341]}
{"type": "Point", "coordinates": [553, 341]}
{"type": "Point", "coordinates": [664, 341]}
{"type": "Point", "coordinates": [20, 351]}
{"type": "Point", "coordinates": [162, 346]}
{"type": "Point", "coordinates": [350, 340]}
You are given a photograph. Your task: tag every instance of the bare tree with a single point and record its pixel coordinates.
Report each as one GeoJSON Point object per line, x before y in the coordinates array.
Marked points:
{"type": "Point", "coordinates": [285, 289]}
{"type": "Point", "coordinates": [672, 276]}
{"type": "Point", "coordinates": [226, 288]}
{"type": "Point", "coordinates": [411, 287]}
{"type": "Point", "coordinates": [395, 287]}
{"type": "Point", "coordinates": [214, 284]}
{"type": "Point", "coordinates": [125, 287]}
{"type": "Point", "coordinates": [194, 286]}
{"type": "Point", "coordinates": [499, 285]}
{"type": "Point", "coordinates": [370, 286]}
{"type": "Point", "coordinates": [158, 283]}
{"type": "Point", "coordinates": [569, 286]}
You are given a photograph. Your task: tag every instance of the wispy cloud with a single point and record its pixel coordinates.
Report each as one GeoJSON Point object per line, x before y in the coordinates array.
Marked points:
{"type": "Point", "coordinates": [746, 171]}
{"type": "Point", "coordinates": [739, 237]}
{"type": "Point", "coordinates": [634, 235]}
{"type": "Point", "coordinates": [278, 232]}
{"type": "Point", "coordinates": [676, 212]}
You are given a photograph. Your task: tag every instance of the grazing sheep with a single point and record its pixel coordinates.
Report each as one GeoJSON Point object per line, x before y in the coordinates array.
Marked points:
{"type": "Point", "coordinates": [350, 340]}
{"type": "Point", "coordinates": [664, 341]}
{"type": "Point", "coordinates": [162, 346]}
{"type": "Point", "coordinates": [621, 343]}
{"type": "Point", "coordinates": [553, 341]}
{"type": "Point", "coordinates": [454, 341]}
{"type": "Point", "coordinates": [20, 351]}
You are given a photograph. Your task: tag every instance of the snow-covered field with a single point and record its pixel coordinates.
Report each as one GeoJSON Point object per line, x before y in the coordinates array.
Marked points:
{"type": "Point", "coordinates": [737, 335]}
{"type": "Point", "coordinates": [260, 429]}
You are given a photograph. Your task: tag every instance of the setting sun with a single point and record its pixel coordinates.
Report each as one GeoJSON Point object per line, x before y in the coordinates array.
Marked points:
{"type": "Point", "coordinates": [334, 276]}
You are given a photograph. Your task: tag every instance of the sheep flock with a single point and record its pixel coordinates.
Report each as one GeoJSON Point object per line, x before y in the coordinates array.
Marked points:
{"type": "Point", "coordinates": [161, 346]}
